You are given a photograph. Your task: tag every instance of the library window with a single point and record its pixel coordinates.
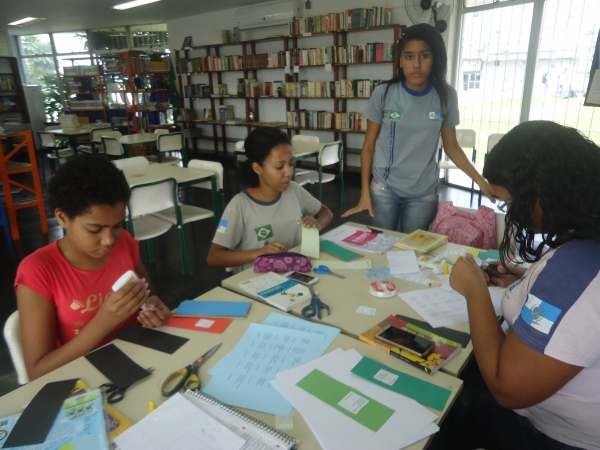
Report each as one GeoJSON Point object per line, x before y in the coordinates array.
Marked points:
{"type": "Point", "coordinates": [149, 37]}
{"type": "Point", "coordinates": [109, 39]}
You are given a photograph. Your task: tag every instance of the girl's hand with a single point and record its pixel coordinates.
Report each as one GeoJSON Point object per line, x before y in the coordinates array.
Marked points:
{"type": "Point", "coordinates": [363, 203]}
{"type": "Point", "coordinates": [155, 314]}
{"type": "Point", "coordinates": [467, 279]}
{"type": "Point", "coordinates": [272, 247]}
{"type": "Point", "coordinates": [486, 190]}
{"type": "Point", "coordinates": [121, 304]}
{"type": "Point", "coordinates": [499, 276]}
{"type": "Point", "coordinates": [310, 222]}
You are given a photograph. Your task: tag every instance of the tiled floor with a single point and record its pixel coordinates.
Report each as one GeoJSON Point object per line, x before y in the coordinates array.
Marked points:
{"type": "Point", "coordinates": [172, 286]}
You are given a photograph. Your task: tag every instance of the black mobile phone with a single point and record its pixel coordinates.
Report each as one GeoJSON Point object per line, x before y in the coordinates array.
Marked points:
{"type": "Point", "coordinates": [301, 277]}
{"type": "Point", "coordinates": [406, 340]}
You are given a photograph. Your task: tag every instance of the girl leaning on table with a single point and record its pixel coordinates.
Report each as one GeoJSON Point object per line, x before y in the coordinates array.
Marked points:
{"type": "Point", "coordinates": [542, 377]}
{"type": "Point", "coordinates": [405, 117]}
{"type": "Point", "coordinates": [64, 290]}
{"type": "Point", "coordinates": [267, 216]}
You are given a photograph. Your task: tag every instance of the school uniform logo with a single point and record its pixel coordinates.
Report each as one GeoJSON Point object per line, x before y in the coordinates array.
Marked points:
{"type": "Point", "coordinates": [222, 226]}
{"type": "Point", "coordinates": [435, 115]}
{"type": "Point", "coordinates": [394, 115]}
{"type": "Point", "coordinates": [539, 315]}
{"type": "Point", "coordinates": [263, 233]}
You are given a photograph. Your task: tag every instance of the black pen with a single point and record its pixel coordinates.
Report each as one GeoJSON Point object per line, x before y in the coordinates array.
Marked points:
{"type": "Point", "coordinates": [373, 230]}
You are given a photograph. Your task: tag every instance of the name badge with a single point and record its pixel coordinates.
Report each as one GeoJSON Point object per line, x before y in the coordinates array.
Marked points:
{"type": "Point", "coordinates": [435, 115]}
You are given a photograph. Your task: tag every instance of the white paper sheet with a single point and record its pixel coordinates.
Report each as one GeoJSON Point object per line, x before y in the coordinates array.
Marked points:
{"type": "Point", "coordinates": [402, 261]}
{"type": "Point", "coordinates": [409, 423]}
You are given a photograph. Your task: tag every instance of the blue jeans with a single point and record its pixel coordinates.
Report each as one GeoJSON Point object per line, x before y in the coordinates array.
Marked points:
{"type": "Point", "coordinates": [396, 213]}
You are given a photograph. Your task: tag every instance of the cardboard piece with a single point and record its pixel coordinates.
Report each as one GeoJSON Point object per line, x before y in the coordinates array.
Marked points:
{"type": "Point", "coordinates": [219, 325]}
{"type": "Point", "coordinates": [213, 309]}
{"type": "Point", "coordinates": [116, 365]}
{"type": "Point", "coordinates": [154, 339]}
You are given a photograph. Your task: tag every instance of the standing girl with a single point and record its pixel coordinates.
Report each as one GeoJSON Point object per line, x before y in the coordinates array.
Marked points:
{"type": "Point", "coordinates": [268, 216]}
{"type": "Point", "coordinates": [405, 116]}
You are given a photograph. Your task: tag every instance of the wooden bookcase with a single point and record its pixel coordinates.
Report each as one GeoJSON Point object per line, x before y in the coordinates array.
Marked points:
{"type": "Point", "coordinates": [13, 107]}
{"type": "Point", "coordinates": [85, 92]}
{"type": "Point", "coordinates": [187, 74]}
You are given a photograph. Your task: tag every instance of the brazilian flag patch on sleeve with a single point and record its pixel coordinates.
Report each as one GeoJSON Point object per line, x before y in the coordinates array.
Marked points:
{"type": "Point", "coordinates": [263, 233]}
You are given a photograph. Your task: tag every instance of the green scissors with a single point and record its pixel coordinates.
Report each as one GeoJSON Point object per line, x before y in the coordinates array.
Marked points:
{"type": "Point", "coordinates": [187, 377]}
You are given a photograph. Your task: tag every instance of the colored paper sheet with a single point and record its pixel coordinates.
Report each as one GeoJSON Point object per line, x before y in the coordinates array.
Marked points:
{"type": "Point", "coordinates": [116, 365]}
{"type": "Point", "coordinates": [295, 323]}
{"type": "Point", "coordinates": [339, 252]}
{"type": "Point", "coordinates": [154, 339]}
{"type": "Point", "coordinates": [310, 242]}
{"type": "Point", "coordinates": [347, 400]}
{"type": "Point", "coordinates": [471, 250]}
{"type": "Point", "coordinates": [378, 273]}
{"type": "Point", "coordinates": [489, 255]}
{"type": "Point", "coordinates": [213, 309]}
{"type": "Point", "coordinates": [211, 325]}
{"type": "Point", "coordinates": [426, 393]}
{"type": "Point", "coordinates": [352, 265]}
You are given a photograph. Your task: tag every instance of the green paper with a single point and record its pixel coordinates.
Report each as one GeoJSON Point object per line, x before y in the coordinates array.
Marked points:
{"type": "Point", "coordinates": [339, 252]}
{"type": "Point", "coordinates": [352, 265]}
{"type": "Point", "coordinates": [310, 242]}
{"type": "Point", "coordinates": [372, 415]}
{"type": "Point", "coordinates": [489, 254]}
{"type": "Point", "coordinates": [428, 394]}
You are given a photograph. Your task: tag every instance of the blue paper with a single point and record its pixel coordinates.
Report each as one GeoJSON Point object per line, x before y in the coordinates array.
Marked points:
{"type": "Point", "coordinates": [378, 273]}
{"type": "Point", "coordinates": [213, 309]}
{"type": "Point", "coordinates": [294, 323]}
{"type": "Point", "coordinates": [242, 378]}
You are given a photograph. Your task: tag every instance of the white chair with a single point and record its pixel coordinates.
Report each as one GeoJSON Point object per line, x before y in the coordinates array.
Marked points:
{"type": "Point", "coordinates": [112, 146]}
{"type": "Point", "coordinates": [130, 162]}
{"type": "Point", "coordinates": [161, 131]}
{"type": "Point", "coordinates": [171, 142]}
{"type": "Point", "coordinates": [147, 199]}
{"type": "Point", "coordinates": [331, 153]}
{"type": "Point", "coordinates": [53, 152]}
{"type": "Point", "coordinates": [12, 336]}
{"type": "Point", "coordinates": [97, 133]}
{"type": "Point", "coordinates": [217, 168]}
{"type": "Point", "coordinates": [466, 139]}
{"type": "Point", "coordinates": [302, 138]}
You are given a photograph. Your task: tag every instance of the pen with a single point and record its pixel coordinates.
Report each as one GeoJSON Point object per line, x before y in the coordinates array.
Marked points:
{"type": "Point", "coordinates": [373, 230]}
{"type": "Point", "coordinates": [151, 406]}
{"type": "Point", "coordinates": [433, 284]}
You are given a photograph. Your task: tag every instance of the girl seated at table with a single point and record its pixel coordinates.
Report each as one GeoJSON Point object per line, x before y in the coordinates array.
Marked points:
{"type": "Point", "coordinates": [543, 374]}
{"type": "Point", "coordinates": [268, 216]}
{"type": "Point", "coordinates": [64, 290]}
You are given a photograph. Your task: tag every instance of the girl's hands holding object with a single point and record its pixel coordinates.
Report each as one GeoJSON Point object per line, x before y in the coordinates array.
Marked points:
{"type": "Point", "coordinates": [272, 247]}
{"type": "Point", "coordinates": [155, 312]}
{"type": "Point", "coordinates": [125, 301]}
{"type": "Point", "coordinates": [310, 222]}
{"type": "Point", "coordinates": [496, 275]}
{"type": "Point", "coordinates": [467, 279]}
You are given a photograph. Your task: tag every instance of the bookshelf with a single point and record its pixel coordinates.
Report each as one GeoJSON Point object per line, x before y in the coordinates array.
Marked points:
{"type": "Point", "coordinates": [13, 107]}
{"type": "Point", "coordinates": [200, 70]}
{"type": "Point", "coordinates": [85, 92]}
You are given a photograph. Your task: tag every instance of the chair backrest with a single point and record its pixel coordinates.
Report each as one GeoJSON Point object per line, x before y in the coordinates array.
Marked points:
{"type": "Point", "coordinates": [161, 131]}
{"type": "Point", "coordinates": [131, 162]}
{"type": "Point", "coordinates": [112, 146]}
{"type": "Point", "coordinates": [331, 153]}
{"type": "Point", "coordinates": [152, 197]}
{"type": "Point", "coordinates": [493, 140]}
{"type": "Point", "coordinates": [466, 138]}
{"type": "Point", "coordinates": [239, 145]}
{"type": "Point", "coordinates": [305, 138]}
{"type": "Point", "coordinates": [169, 142]}
{"type": "Point", "coordinates": [108, 132]}
{"type": "Point", "coordinates": [12, 336]}
{"type": "Point", "coordinates": [53, 127]}
{"type": "Point", "coordinates": [210, 166]}
{"type": "Point", "coordinates": [47, 139]}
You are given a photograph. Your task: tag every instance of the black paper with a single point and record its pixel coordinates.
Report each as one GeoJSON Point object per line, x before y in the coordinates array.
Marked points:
{"type": "Point", "coordinates": [36, 421]}
{"type": "Point", "coordinates": [147, 337]}
{"type": "Point", "coordinates": [116, 365]}
{"type": "Point", "coordinates": [457, 336]}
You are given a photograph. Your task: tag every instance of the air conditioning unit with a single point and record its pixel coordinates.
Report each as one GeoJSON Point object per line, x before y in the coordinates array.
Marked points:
{"type": "Point", "coordinates": [268, 14]}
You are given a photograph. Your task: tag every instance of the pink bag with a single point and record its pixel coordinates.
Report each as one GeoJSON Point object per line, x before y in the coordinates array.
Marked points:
{"type": "Point", "coordinates": [475, 230]}
{"type": "Point", "coordinates": [282, 262]}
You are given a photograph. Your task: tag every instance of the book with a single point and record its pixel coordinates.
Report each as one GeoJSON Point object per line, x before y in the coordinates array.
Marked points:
{"type": "Point", "coordinates": [187, 43]}
{"type": "Point", "coordinates": [277, 291]}
{"type": "Point", "coordinates": [421, 241]}
{"type": "Point", "coordinates": [213, 309]}
{"type": "Point", "coordinates": [258, 435]}
{"type": "Point", "coordinates": [444, 349]}
{"type": "Point", "coordinates": [223, 89]}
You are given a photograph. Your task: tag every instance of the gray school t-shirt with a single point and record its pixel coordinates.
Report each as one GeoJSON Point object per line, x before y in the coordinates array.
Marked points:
{"type": "Point", "coordinates": [406, 149]}
{"type": "Point", "coordinates": [248, 224]}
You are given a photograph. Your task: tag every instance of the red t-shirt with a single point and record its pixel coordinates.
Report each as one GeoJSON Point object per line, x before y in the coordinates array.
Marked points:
{"type": "Point", "coordinates": [77, 293]}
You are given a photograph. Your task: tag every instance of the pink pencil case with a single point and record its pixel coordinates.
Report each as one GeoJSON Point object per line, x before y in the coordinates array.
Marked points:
{"type": "Point", "coordinates": [282, 262]}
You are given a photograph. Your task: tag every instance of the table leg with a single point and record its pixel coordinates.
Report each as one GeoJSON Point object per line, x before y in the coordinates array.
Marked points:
{"type": "Point", "coordinates": [215, 200]}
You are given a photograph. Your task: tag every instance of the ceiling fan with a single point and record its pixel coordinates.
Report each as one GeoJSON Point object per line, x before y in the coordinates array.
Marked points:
{"type": "Point", "coordinates": [433, 12]}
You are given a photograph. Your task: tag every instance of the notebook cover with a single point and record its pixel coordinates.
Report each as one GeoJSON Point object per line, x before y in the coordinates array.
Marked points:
{"type": "Point", "coordinates": [458, 336]}
{"type": "Point", "coordinates": [213, 309]}
{"type": "Point", "coordinates": [339, 252]}
{"type": "Point", "coordinates": [219, 324]}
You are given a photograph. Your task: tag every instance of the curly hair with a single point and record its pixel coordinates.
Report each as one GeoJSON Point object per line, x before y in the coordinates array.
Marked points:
{"type": "Point", "coordinates": [258, 146]}
{"type": "Point", "coordinates": [85, 181]}
{"type": "Point", "coordinates": [557, 166]}
{"type": "Point", "coordinates": [439, 69]}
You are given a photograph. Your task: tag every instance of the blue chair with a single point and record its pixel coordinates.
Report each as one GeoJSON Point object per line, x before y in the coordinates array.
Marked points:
{"type": "Point", "coordinates": [4, 224]}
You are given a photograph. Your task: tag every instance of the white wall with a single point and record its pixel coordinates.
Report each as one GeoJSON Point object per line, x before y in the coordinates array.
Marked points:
{"type": "Point", "coordinates": [5, 47]}
{"type": "Point", "coordinates": [201, 27]}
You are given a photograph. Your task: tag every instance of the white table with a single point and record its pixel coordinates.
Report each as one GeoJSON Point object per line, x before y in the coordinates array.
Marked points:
{"type": "Point", "coordinates": [344, 297]}
{"type": "Point", "coordinates": [135, 404]}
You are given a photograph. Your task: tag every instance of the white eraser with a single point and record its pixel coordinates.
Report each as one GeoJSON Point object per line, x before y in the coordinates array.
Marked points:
{"type": "Point", "coordinates": [124, 279]}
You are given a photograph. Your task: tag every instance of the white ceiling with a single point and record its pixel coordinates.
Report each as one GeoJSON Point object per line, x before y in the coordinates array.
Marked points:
{"type": "Point", "coordinates": [78, 15]}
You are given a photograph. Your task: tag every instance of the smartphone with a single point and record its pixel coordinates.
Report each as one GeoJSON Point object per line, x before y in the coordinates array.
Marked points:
{"type": "Point", "coordinates": [406, 340]}
{"type": "Point", "coordinates": [301, 277]}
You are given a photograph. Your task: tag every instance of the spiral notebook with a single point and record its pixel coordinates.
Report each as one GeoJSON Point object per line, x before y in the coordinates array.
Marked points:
{"type": "Point", "coordinates": [258, 435]}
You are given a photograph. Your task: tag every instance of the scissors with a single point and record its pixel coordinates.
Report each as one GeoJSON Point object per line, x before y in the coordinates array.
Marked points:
{"type": "Point", "coordinates": [186, 377]}
{"type": "Point", "coordinates": [324, 270]}
{"type": "Point", "coordinates": [114, 393]}
{"type": "Point", "coordinates": [316, 305]}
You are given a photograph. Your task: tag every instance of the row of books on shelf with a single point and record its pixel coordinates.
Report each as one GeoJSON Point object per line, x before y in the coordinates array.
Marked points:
{"type": "Point", "coordinates": [372, 52]}
{"type": "Point", "coordinates": [326, 120]}
{"type": "Point", "coordinates": [7, 84]}
{"type": "Point", "coordinates": [351, 18]}
{"type": "Point", "coordinates": [340, 88]}
{"type": "Point", "coordinates": [143, 65]}
{"type": "Point", "coordinates": [7, 104]}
